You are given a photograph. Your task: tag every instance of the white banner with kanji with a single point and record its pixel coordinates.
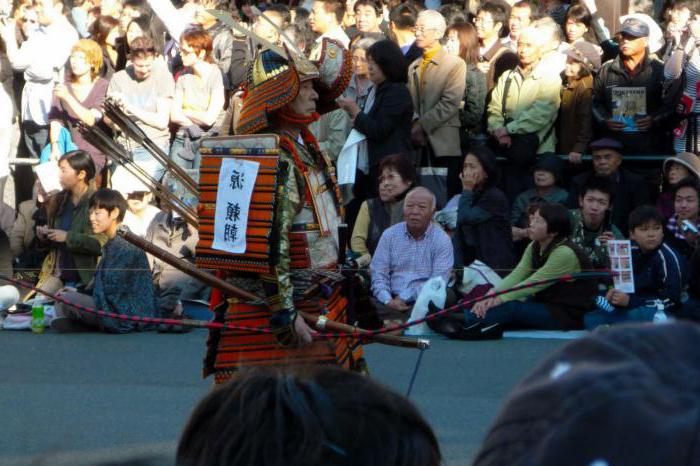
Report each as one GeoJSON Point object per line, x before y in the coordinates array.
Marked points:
{"type": "Point", "coordinates": [236, 182]}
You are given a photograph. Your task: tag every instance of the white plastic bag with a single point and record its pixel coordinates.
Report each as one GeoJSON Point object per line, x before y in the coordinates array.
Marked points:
{"type": "Point", "coordinates": [435, 291]}
{"type": "Point", "coordinates": [477, 273]}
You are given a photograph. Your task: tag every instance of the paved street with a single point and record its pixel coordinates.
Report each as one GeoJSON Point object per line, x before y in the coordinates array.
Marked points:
{"type": "Point", "coordinates": [68, 399]}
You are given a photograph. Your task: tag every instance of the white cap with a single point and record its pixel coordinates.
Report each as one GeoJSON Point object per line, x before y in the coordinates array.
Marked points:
{"type": "Point", "coordinates": [126, 183]}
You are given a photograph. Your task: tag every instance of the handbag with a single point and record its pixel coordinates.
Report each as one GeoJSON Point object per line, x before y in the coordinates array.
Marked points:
{"type": "Point", "coordinates": [433, 178]}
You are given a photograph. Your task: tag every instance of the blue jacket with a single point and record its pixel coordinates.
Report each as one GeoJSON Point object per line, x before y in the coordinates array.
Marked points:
{"type": "Point", "coordinates": [659, 274]}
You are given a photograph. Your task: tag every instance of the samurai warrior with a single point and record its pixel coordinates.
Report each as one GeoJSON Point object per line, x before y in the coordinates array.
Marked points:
{"type": "Point", "coordinates": [283, 96]}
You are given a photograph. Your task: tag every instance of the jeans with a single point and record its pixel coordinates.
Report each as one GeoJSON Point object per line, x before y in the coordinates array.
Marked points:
{"type": "Point", "coordinates": [516, 314]}
{"type": "Point", "coordinates": [638, 314]}
{"type": "Point", "coordinates": [180, 155]}
{"type": "Point", "coordinates": [147, 162]}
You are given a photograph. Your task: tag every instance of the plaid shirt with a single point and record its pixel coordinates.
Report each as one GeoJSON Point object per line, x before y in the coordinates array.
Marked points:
{"type": "Point", "coordinates": [402, 264]}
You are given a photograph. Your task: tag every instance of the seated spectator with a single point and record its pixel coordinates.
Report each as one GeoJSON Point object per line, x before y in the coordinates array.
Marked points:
{"type": "Point", "coordinates": [633, 68]}
{"type": "Point", "coordinates": [409, 254]}
{"type": "Point", "coordinates": [24, 244]}
{"type": "Point", "coordinates": [555, 306]}
{"type": "Point", "coordinates": [262, 400]}
{"type": "Point", "coordinates": [658, 271]}
{"type": "Point", "coordinates": [629, 190]}
{"type": "Point", "coordinates": [683, 66]}
{"type": "Point", "coordinates": [145, 93]}
{"type": "Point", "coordinates": [591, 222]}
{"type": "Point", "coordinates": [522, 112]}
{"type": "Point", "coordinates": [398, 175]}
{"type": "Point", "coordinates": [686, 217]}
{"type": "Point", "coordinates": [173, 234]}
{"type": "Point", "coordinates": [437, 83]}
{"type": "Point", "coordinates": [494, 57]}
{"type": "Point", "coordinates": [73, 247]}
{"type": "Point", "coordinates": [199, 98]}
{"type": "Point", "coordinates": [547, 178]}
{"type": "Point", "coordinates": [483, 230]}
{"type": "Point", "coordinates": [79, 102]}
{"type": "Point", "coordinates": [386, 117]}
{"type": "Point", "coordinates": [146, 26]}
{"type": "Point", "coordinates": [675, 169]}
{"type": "Point", "coordinates": [122, 280]}
{"type": "Point", "coordinates": [138, 197]}
{"type": "Point", "coordinates": [461, 40]}
{"type": "Point", "coordinates": [575, 129]}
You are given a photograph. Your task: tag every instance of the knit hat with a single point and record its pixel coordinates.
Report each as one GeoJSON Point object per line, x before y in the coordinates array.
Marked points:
{"type": "Point", "coordinates": [625, 396]}
{"type": "Point", "coordinates": [550, 163]}
{"type": "Point", "coordinates": [687, 159]}
{"type": "Point", "coordinates": [586, 53]}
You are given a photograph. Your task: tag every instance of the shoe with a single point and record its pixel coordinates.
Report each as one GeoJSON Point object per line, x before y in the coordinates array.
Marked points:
{"type": "Point", "coordinates": [67, 325]}
{"type": "Point", "coordinates": [447, 325]}
{"type": "Point", "coordinates": [480, 331]}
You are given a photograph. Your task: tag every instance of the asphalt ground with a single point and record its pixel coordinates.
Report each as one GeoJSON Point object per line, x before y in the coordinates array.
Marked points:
{"type": "Point", "coordinates": [85, 398]}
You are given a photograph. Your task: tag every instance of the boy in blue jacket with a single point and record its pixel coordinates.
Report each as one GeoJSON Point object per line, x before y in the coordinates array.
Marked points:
{"type": "Point", "coordinates": [659, 275]}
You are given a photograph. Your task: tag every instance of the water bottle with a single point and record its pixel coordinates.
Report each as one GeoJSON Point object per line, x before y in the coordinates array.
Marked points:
{"type": "Point", "coordinates": [660, 314]}
{"type": "Point", "coordinates": [37, 316]}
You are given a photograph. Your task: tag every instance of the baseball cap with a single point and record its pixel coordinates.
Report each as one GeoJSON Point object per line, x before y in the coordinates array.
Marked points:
{"type": "Point", "coordinates": [635, 27]}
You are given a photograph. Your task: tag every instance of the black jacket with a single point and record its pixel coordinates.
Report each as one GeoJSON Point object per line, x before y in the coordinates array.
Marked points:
{"type": "Point", "coordinates": [388, 124]}
{"type": "Point", "coordinates": [629, 191]}
{"type": "Point", "coordinates": [651, 77]}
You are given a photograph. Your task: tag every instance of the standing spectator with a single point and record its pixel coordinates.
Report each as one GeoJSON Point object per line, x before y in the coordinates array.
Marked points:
{"type": "Point", "coordinates": [145, 93]}
{"type": "Point", "coordinates": [521, 15]}
{"type": "Point", "coordinates": [7, 117]}
{"type": "Point", "coordinates": [629, 190]}
{"type": "Point", "coordinates": [577, 27]}
{"type": "Point", "coordinates": [591, 222]}
{"type": "Point", "coordinates": [144, 25]}
{"type": "Point", "coordinates": [41, 57]}
{"type": "Point", "coordinates": [556, 9]}
{"type": "Point", "coordinates": [678, 15]}
{"type": "Point", "coordinates": [658, 272]}
{"type": "Point", "coordinates": [397, 176]}
{"type": "Point", "coordinates": [368, 18]}
{"type": "Point", "coordinates": [73, 248]}
{"type": "Point", "coordinates": [79, 17]}
{"type": "Point", "coordinates": [325, 19]}
{"type": "Point", "coordinates": [553, 60]}
{"type": "Point", "coordinates": [633, 68]}
{"type": "Point", "coordinates": [547, 178]}
{"type": "Point", "coordinates": [686, 209]}
{"type": "Point", "coordinates": [675, 169]}
{"type": "Point", "coordinates": [105, 31]}
{"type": "Point", "coordinates": [483, 230]}
{"type": "Point", "coordinates": [556, 306]}
{"type": "Point", "coordinates": [402, 23]}
{"type": "Point", "coordinates": [276, 14]}
{"type": "Point", "coordinates": [198, 100]}
{"type": "Point", "coordinates": [462, 41]}
{"type": "Point", "coordinates": [437, 82]}
{"type": "Point", "coordinates": [386, 120]}
{"type": "Point", "coordinates": [79, 101]}
{"type": "Point", "coordinates": [494, 57]}
{"type": "Point", "coordinates": [360, 84]}
{"type": "Point", "coordinates": [409, 254]}
{"type": "Point", "coordinates": [522, 112]}
{"type": "Point", "coordinates": [575, 118]}
{"type": "Point", "coordinates": [685, 59]}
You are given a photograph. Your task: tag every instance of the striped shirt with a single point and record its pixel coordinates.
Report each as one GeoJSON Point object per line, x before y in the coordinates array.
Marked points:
{"type": "Point", "coordinates": [402, 263]}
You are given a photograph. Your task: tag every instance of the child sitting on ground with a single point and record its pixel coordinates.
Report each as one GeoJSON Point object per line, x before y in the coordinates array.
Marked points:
{"type": "Point", "coordinates": [658, 271]}
{"type": "Point", "coordinates": [123, 283]}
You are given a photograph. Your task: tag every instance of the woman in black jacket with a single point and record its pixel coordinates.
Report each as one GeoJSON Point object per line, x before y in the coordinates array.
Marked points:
{"type": "Point", "coordinates": [386, 118]}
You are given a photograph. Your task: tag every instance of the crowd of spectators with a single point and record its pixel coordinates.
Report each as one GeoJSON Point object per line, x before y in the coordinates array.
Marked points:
{"type": "Point", "coordinates": [517, 135]}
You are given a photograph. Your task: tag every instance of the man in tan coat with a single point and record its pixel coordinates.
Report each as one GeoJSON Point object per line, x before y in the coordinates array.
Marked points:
{"type": "Point", "coordinates": [437, 82]}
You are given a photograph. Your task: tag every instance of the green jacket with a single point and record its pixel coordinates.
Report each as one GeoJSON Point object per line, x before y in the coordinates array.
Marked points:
{"type": "Point", "coordinates": [587, 240]}
{"type": "Point", "coordinates": [85, 246]}
{"type": "Point", "coordinates": [531, 105]}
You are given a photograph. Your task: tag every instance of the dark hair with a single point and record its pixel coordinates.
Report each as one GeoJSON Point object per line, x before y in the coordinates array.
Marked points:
{"type": "Point", "coordinates": [557, 218]}
{"type": "Point", "coordinates": [580, 14]}
{"type": "Point", "coordinates": [498, 12]}
{"type": "Point", "coordinates": [151, 29]}
{"type": "Point", "coordinates": [142, 47]}
{"type": "Point", "coordinates": [403, 166]}
{"type": "Point", "coordinates": [453, 14]}
{"type": "Point", "coordinates": [334, 6]}
{"type": "Point", "coordinates": [644, 214]}
{"type": "Point", "coordinates": [687, 182]}
{"type": "Point", "coordinates": [679, 4]}
{"type": "Point", "coordinates": [109, 199]}
{"type": "Point", "coordinates": [389, 58]}
{"type": "Point", "coordinates": [306, 415]}
{"type": "Point", "coordinates": [80, 161]}
{"type": "Point", "coordinates": [487, 160]}
{"type": "Point", "coordinates": [534, 8]}
{"type": "Point", "coordinates": [282, 10]}
{"type": "Point", "coordinates": [468, 41]}
{"type": "Point", "coordinates": [404, 16]}
{"type": "Point", "coordinates": [101, 28]}
{"type": "Point", "coordinates": [598, 183]}
{"type": "Point", "coordinates": [374, 4]}
{"type": "Point", "coordinates": [301, 17]}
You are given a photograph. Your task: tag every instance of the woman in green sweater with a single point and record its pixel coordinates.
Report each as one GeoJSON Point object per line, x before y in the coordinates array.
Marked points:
{"type": "Point", "coordinates": [557, 306]}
